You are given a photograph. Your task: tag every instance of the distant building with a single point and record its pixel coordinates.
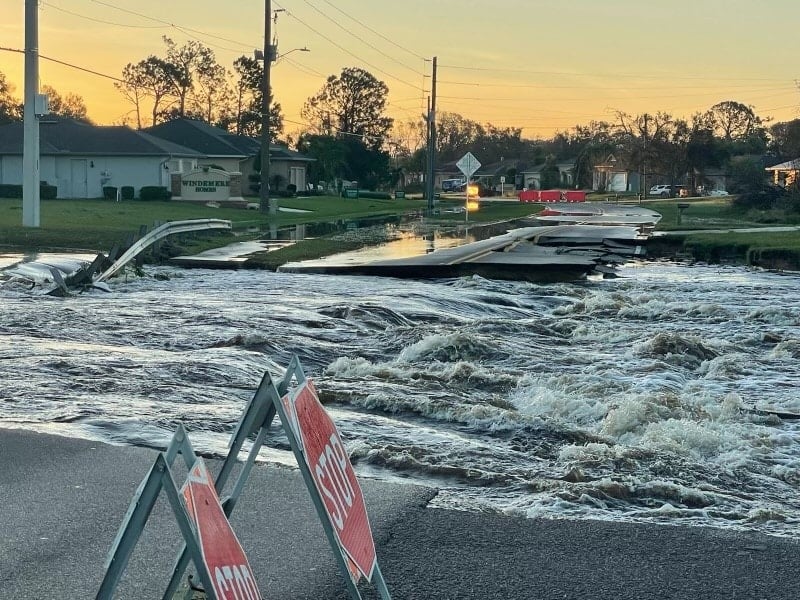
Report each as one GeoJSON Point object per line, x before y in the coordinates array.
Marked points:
{"type": "Point", "coordinates": [235, 153]}
{"type": "Point", "coordinates": [785, 173]}
{"type": "Point", "coordinates": [613, 176]}
{"type": "Point", "coordinates": [80, 159]}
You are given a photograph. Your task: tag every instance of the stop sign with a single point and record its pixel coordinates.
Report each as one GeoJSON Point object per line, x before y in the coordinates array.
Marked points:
{"type": "Point", "coordinates": [225, 560]}
{"type": "Point", "coordinates": [334, 478]}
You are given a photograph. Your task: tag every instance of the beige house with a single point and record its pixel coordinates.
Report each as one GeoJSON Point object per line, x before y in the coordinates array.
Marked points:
{"type": "Point", "coordinates": [786, 173]}
{"type": "Point", "coordinates": [235, 153]}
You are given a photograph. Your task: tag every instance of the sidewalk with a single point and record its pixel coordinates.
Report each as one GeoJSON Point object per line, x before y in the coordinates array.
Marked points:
{"type": "Point", "coordinates": [62, 501]}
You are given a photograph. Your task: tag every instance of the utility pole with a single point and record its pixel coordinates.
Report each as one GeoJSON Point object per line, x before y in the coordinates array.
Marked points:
{"type": "Point", "coordinates": [432, 142]}
{"type": "Point", "coordinates": [266, 204]}
{"type": "Point", "coordinates": [30, 151]}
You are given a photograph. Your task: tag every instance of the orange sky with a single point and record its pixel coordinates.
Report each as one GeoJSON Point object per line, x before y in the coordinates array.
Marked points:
{"type": "Point", "coordinates": [537, 64]}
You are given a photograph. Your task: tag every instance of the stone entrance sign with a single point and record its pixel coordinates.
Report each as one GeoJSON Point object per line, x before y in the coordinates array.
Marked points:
{"type": "Point", "coordinates": [207, 184]}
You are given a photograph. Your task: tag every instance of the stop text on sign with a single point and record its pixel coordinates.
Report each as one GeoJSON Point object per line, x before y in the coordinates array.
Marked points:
{"type": "Point", "coordinates": [331, 473]}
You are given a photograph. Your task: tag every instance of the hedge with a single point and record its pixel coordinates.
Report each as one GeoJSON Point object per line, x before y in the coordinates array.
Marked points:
{"type": "Point", "coordinates": [127, 192]}
{"type": "Point", "coordinates": [109, 192]}
{"type": "Point", "coordinates": [46, 192]}
{"type": "Point", "coordinates": [154, 192]}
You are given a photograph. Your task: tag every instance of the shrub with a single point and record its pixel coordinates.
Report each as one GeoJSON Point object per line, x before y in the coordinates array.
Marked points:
{"type": "Point", "coordinates": [291, 189]}
{"type": "Point", "coordinates": [154, 192]}
{"type": "Point", "coordinates": [374, 195]}
{"type": "Point", "coordinates": [109, 192]}
{"type": "Point", "coordinates": [8, 190]}
{"type": "Point", "coordinates": [127, 192]}
{"type": "Point", "coordinates": [48, 192]}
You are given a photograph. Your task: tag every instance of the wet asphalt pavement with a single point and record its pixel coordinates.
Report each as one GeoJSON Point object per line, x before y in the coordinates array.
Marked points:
{"type": "Point", "coordinates": [62, 501]}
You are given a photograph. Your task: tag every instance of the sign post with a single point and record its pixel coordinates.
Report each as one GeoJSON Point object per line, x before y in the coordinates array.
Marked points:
{"type": "Point", "coordinates": [468, 164]}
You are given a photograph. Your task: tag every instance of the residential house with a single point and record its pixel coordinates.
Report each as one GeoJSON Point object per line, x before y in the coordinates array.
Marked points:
{"type": "Point", "coordinates": [531, 177]}
{"type": "Point", "coordinates": [509, 169]}
{"type": "Point", "coordinates": [80, 159]}
{"type": "Point", "coordinates": [785, 173]}
{"type": "Point", "coordinates": [235, 153]}
{"type": "Point", "coordinates": [612, 175]}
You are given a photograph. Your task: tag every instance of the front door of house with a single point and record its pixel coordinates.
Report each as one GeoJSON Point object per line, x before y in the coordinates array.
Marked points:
{"type": "Point", "coordinates": [80, 188]}
{"type": "Point", "coordinates": [297, 177]}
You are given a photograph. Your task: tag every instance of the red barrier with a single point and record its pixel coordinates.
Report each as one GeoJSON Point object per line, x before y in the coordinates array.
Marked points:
{"type": "Point", "coordinates": [575, 196]}
{"type": "Point", "coordinates": [529, 196]}
{"type": "Point", "coordinates": [550, 196]}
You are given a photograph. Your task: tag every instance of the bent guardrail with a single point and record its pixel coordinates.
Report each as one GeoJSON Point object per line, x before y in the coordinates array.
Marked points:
{"type": "Point", "coordinates": [157, 234]}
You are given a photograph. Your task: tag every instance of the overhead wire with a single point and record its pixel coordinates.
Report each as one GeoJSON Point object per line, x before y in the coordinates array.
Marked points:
{"type": "Point", "coordinates": [343, 49]}
{"type": "Point", "coordinates": [66, 64]}
{"type": "Point", "coordinates": [88, 18]}
{"type": "Point", "coordinates": [380, 35]}
{"type": "Point", "coordinates": [351, 34]}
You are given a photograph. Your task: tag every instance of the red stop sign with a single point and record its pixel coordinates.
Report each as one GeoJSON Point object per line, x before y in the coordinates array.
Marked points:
{"type": "Point", "coordinates": [227, 563]}
{"type": "Point", "coordinates": [334, 477]}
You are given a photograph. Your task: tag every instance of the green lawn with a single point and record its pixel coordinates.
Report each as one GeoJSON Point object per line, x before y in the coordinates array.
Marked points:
{"type": "Point", "coordinates": [98, 224]}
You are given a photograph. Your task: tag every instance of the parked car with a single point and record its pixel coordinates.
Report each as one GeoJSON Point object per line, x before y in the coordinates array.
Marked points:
{"type": "Point", "coordinates": [718, 193]}
{"type": "Point", "coordinates": [666, 191]}
{"type": "Point", "coordinates": [451, 185]}
{"type": "Point", "coordinates": [661, 190]}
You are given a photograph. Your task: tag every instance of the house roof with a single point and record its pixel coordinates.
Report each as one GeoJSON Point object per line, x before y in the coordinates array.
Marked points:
{"type": "Point", "coordinates": [60, 136]}
{"type": "Point", "coordinates": [789, 165]}
{"type": "Point", "coordinates": [501, 167]}
{"type": "Point", "coordinates": [215, 142]}
{"type": "Point", "coordinates": [204, 138]}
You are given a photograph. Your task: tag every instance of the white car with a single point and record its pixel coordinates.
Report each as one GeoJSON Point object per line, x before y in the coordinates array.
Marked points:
{"type": "Point", "coordinates": [718, 193]}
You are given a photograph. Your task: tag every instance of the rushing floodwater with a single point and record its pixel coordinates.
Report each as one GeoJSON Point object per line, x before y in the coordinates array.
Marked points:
{"type": "Point", "coordinates": [626, 399]}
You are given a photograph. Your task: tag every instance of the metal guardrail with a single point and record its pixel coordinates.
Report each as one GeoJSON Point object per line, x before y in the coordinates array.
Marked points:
{"type": "Point", "coordinates": [157, 234]}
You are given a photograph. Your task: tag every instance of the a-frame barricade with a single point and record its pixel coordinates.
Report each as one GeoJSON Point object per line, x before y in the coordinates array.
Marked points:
{"type": "Point", "coordinates": [221, 563]}
{"type": "Point", "coordinates": [300, 414]}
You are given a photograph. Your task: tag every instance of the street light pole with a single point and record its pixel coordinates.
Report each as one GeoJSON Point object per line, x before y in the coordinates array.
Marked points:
{"type": "Point", "coordinates": [30, 151]}
{"type": "Point", "coordinates": [266, 204]}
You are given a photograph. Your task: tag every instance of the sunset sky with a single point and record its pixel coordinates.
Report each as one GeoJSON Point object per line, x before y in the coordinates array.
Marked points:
{"type": "Point", "coordinates": [543, 65]}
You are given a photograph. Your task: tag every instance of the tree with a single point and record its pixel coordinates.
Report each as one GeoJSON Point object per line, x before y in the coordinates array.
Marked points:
{"type": "Point", "coordinates": [732, 120]}
{"type": "Point", "coordinates": [643, 137]}
{"type": "Point", "coordinates": [10, 107]}
{"type": "Point", "coordinates": [71, 106]}
{"type": "Point", "coordinates": [330, 155]}
{"type": "Point", "coordinates": [149, 78]}
{"type": "Point", "coordinates": [352, 103]}
{"type": "Point", "coordinates": [455, 135]}
{"type": "Point", "coordinates": [244, 115]}
{"type": "Point", "coordinates": [785, 140]}
{"type": "Point", "coordinates": [188, 63]}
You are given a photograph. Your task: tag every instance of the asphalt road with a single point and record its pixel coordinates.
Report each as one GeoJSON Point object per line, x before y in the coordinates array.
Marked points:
{"type": "Point", "coordinates": [62, 501]}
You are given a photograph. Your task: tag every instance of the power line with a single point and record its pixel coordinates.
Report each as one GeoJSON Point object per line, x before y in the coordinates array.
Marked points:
{"type": "Point", "coordinates": [350, 33]}
{"type": "Point", "coordinates": [183, 29]}
{"type": "Point", "coordinates": [66, 64]}
{"type": "Point", "coordinates": [343, 49]}
{"type": "Point", "coordinates": [582, 99]}
{"type": "Point", "coordinates": [88, 18]}
{"type": "Point", "coordinates": [544, 86]}
{"type": "Point", "coordinates": [632, 75]}
{"type": "Point", "coordinates": [380, 35]}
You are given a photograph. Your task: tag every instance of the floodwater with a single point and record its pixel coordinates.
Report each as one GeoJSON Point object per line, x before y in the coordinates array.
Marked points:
{"type": "Point", "coordinates": [642, 398]}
